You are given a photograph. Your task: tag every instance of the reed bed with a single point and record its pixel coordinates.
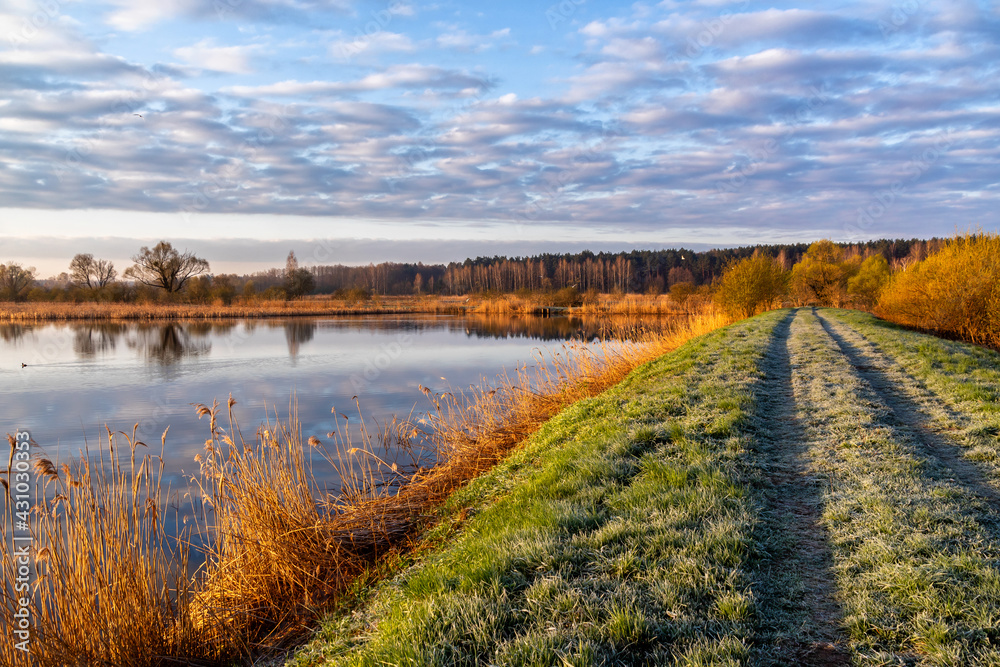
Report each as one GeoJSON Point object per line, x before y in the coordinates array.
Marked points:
{"type": "Point", "coordinates": [506, 304]}
{"type": "Point", "coordinates": [45, 311]}
{"type": "Point", "coordinates": [110, 584]}
{"type": "Point", "coordinates": [573, 303]}
{"type": "Point", "coordinates": [113, 586]}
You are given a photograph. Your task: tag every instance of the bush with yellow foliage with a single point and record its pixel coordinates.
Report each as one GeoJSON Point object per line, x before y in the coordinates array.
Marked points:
{"type": "Point", "coordinates": [751, 285]}
{"type": "Point", "coordinates": [820, 278]}
{"type": "Point", "coordinates": [866, 286]}
{"type": "Point", "coordinates": [954, 292]}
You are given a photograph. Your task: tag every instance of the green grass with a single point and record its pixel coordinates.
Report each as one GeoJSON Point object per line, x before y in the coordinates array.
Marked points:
{"type": "Point", "coordinates": [622, 533]}
{"type": "Point", "coordinates": [917, 555]}
{"type": "Point", "coordinates": [957, 384]}
{"type": "Point", "coordinates": [645, 525]}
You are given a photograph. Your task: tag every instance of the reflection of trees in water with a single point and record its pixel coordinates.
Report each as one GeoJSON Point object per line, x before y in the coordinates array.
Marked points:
{"type": "Point", "coordinates": [12, 333]}
{"type": "Point", "coordinates": [91, 338]}
{"type": "Point", "coordinates": [167, 344]}
{"type": "Point", "coordinates": [563, 327]}
{"type": "Point", "coordinates": [298, 332]}
{"type": "Point", "coordinates": [511, 326]}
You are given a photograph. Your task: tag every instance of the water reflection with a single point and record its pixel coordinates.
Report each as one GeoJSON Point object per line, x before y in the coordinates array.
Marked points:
{"type": "Point", "coordinates": [101, 337]}
{"type": "Point", "coordinates": [12, 333]}
{"type": "Point", "coordinates": [298, 332]}
{"type": "Point", "coordinates": [85, 377]}
{"type": "Point", "coordinates": [167, 344]}
{"type": "Point", "coordinates": [559, 328]}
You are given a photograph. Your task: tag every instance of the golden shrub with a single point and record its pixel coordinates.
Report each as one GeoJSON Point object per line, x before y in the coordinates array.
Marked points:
{"type": "Point", "coordinates": [955, 291]}
{"type": "Point", "coordinates": [866, 286]}
{"type": "Point", "coordinates": [820, 278]}
{"type": "Point", "coordinates": [751, 285]}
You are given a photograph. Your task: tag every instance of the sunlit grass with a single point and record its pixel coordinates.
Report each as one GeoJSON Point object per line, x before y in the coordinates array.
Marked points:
{"type": "Point", "coordinates": [114, 586]}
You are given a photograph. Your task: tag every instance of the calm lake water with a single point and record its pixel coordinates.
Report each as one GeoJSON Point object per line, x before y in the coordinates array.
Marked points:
{"type": "Point", "coordinates": [81, 377]}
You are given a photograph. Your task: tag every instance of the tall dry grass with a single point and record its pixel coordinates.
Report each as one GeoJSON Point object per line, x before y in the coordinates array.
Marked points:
{"type": "Point", "coordinates": [505, 304]}
{"type": "Point", "coordinates": [114, 586]}
{"type": "Point", "coordinates": [587, 304]}
{"type": "Point", "coordinates": [46, 311]}
{"type": "Point", "coordinates": [954, 292]}
{"type": "Point", "coordinates": [111, 584]}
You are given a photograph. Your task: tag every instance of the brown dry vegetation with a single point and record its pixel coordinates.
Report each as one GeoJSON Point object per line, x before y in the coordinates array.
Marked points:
{"type": "Point", "coordinates": [113, 586]}
{"type": "Point", "coordinates": [531, 302]}
{"type": "Point", "coordinates": [43, 311]}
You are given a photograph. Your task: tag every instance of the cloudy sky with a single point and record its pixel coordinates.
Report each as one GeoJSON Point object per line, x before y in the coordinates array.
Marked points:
{"type": "Point", "coordinates": [356, 131]}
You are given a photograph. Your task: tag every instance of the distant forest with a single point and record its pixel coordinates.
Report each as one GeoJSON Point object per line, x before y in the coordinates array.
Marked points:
{"type": "Point", "coordinates": [638, 271]}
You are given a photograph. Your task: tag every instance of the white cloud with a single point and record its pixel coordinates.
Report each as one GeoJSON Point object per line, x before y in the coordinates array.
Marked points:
{"type": "Point", "coordinates": [397, 76]}
{"type": "Point", "coordinates": [625, 128]}
{"type": "Point", "coordinates": [461, 40]}
{"type": "Point", "coordinates": [135, 16]}
{"type": "Point", "coordinates": [383, 41]}
{"type": "Point", "coordinates": [230, 59]}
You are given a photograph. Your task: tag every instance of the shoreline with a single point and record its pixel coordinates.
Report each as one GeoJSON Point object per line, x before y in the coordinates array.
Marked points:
{"type": "Point", "coordinates": [717, 506]}
{"type": "Point", "coordinates": [262, 493]}
{"type": "Point", "coordinates": [606, 305]}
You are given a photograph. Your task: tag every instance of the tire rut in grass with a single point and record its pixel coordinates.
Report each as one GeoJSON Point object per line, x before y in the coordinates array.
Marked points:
{"type": "Point", "coordinates": [906, 415]}
{"type": "Point", "coordinates": [801, 619]}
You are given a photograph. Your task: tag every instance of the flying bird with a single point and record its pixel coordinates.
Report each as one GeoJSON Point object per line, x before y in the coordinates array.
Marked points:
{"type": "Point", "coordinates": [138, 114]}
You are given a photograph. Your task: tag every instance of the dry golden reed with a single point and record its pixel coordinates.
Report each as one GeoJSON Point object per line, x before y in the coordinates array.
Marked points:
{"type": "Point", "coordinates": [115, 588]}
{"type": "Point", "coordinates": [111, 585]}
{"type": "Point", "coordinates": [49, 311]}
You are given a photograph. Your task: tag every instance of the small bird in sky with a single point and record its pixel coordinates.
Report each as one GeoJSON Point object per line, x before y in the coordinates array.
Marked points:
{"type": "Point", "coordinates": [138, 114]}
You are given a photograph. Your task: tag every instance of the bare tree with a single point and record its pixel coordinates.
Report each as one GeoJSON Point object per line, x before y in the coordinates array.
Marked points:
{"type": "Point", "coordinates": [297, 281]}
{"type": "Point", "coordinates": [85, 270]}
{"type": "Point", "coordinates": [164, 267]}
{"type": "Point", "coordinates": [15, 281]}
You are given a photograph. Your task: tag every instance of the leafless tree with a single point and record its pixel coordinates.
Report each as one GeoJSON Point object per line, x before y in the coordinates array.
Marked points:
{"type": "Point", "coordinates": [164, 267]}
{"type": "Point", "coordinates": [94, 273]}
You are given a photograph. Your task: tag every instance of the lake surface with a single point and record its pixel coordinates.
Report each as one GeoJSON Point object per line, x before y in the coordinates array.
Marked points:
{"type": "Point", "coordinates": [81, 377]}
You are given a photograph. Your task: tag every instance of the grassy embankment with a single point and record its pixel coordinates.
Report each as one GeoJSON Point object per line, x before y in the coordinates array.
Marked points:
{"type": "Point", "coordinates": [794, 489]}
{"type": "Point", "coordinates": [605, 304]}
{"type": "Point", "coordinates": [282, 550]}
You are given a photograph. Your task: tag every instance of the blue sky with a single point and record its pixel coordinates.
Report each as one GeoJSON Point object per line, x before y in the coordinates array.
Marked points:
{"type": "Point", "coordinates": [357, 131]}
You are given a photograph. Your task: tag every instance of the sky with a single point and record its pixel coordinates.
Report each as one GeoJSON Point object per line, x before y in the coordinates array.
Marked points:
{"type": "Point", "coordinates": [353, 131]}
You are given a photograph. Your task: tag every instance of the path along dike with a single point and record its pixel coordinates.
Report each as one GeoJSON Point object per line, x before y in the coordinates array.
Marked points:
{"type": "Point", "coordinates": [806, 487]}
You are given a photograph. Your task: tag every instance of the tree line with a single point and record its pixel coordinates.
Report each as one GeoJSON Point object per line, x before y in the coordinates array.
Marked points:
{"type": "Point", "coordinates": [950, 287]}
{"type": "Point", "coordinates": [164, 273]}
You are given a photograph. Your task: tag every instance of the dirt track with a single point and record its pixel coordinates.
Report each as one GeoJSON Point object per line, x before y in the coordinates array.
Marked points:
{"type": "Point", "coordinates": [825, 385]}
